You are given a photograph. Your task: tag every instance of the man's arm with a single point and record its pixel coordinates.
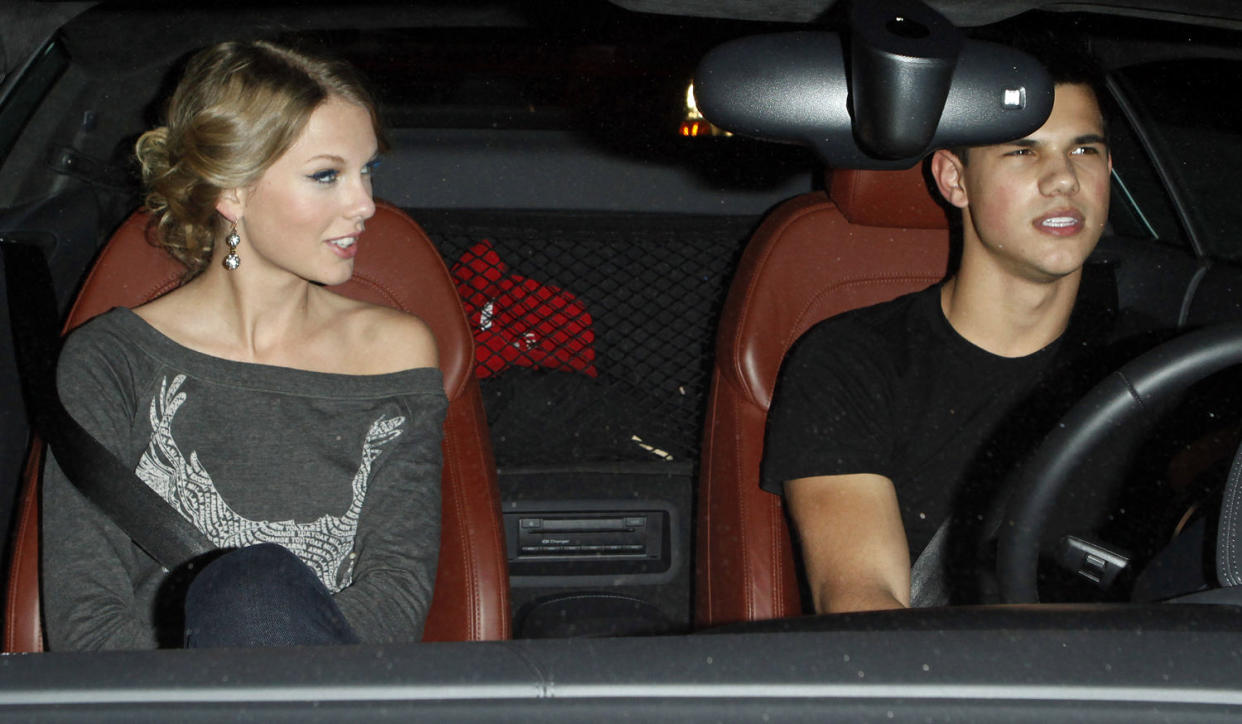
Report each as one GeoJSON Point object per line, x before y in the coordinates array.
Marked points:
{"type": "Point", "coordinates": [853, 542]}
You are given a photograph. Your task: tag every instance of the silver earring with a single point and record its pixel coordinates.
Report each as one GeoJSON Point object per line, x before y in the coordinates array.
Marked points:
{"type": "Point", "coordinates": [232, 261]}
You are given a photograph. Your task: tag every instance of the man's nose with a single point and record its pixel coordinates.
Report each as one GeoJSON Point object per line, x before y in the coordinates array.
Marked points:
{"type": "Point", "coordinates": [1060, 177]}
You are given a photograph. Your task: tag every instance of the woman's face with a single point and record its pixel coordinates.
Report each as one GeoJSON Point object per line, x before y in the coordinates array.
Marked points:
{"type": "Point", "coordinates": [305, 213]}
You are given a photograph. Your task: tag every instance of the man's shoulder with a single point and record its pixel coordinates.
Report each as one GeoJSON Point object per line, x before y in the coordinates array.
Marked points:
{"type": "Point", "coordinates": [841, 388]}
{"type": "Point", "coordinates": [873, 348]}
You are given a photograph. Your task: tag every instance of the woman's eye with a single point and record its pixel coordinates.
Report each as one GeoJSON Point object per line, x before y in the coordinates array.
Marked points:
{"type": "Point", "coordinates": [324, 177]}
{"type": "Point", "coordinates": [370, 166]}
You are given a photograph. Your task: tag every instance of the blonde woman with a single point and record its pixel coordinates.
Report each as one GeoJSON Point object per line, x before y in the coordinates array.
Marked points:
{"type": "Point", "coordinates": [297, 429]}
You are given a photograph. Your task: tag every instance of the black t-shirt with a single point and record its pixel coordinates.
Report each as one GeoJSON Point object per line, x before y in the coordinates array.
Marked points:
{"type": "Point", "coordinates": [894, 390]}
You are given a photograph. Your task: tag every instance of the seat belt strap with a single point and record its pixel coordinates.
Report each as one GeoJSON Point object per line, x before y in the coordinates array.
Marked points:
{"type": "Point", "coordinates": [929, 585]}
{"type": "Point", "coordinates": [138, 510]}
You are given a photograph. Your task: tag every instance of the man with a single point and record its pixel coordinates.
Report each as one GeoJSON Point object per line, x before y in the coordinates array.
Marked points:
{"type": "Point", "coordinates": [885, 417]}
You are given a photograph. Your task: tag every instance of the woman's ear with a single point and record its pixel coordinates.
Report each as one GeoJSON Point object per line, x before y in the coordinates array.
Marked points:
{"type": "Point", "coordinates": [949, 172]}
{"type": "Point", "coordinates": [231, 204]}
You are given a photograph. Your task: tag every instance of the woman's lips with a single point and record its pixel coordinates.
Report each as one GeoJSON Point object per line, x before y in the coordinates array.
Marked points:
{"type": "Point", "coordinates": [1064, 222]}
{"type": "Point", "coordinates": [345, 247]}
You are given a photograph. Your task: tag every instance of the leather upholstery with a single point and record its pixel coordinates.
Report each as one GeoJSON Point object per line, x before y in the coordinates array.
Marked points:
{"type": "Point", "coordinates": [874, 236]}
{"type": "Point", "coordinates": [397, 266]}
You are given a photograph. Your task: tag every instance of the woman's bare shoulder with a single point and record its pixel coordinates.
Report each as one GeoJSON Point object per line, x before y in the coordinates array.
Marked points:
{"type": "Point", "coordinates": [390, 340]}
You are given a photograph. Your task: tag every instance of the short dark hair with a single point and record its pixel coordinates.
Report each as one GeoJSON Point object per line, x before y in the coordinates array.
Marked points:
{"type": "Point", "coordinates": [1066, 56]}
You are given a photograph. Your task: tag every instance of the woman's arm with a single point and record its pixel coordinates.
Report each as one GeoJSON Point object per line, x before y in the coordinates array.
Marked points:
{"type": "Point", "coordinates": [88, 572]}
{"type": "Point", "coordinates": [90, 569]}
{"type": "Point", "coordinates": [398, 540]}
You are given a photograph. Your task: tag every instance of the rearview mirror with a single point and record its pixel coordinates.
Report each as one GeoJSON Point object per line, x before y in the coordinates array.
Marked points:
{"type": "Point", "coordinates": [903, 83]}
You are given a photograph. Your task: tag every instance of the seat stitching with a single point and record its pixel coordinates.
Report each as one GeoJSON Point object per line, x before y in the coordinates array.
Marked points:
{"type": "Point", "coordinates": [705, 505]}
{"type": "Point", "coordinates": [778, 582]}
{"type": "Point", "coordinates": [463, 539]}
{"type": "Point", "coordinates": [753, 283]}
{"type": "Point", "coordinates": [20, 548]}
{"type": "Point", "coordinates": [742, 533]}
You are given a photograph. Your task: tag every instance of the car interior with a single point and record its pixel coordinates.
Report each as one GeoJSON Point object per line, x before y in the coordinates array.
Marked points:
{"type": "Point", "coordinates": [617, 225]}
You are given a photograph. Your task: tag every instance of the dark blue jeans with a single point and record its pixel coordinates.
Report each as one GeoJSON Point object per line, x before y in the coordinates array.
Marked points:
{"type": "Point", "coordinates": [261, 595]}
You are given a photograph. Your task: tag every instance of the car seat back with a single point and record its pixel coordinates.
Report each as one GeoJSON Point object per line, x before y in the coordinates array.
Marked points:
{"type": "Point", "coordinates": [396, 266]}
{"type": "Point", "coordinates": [874, 236]}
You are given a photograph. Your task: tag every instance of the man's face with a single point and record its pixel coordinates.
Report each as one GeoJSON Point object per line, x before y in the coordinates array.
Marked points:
{"type": "Point", "coordinates": [1037, 206]}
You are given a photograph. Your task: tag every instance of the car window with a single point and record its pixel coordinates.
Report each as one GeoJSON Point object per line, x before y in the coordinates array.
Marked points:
{"type": "Point", "coordinates": [1193, 131]}
{"type": "Point", "coordinates": [1141, 207]}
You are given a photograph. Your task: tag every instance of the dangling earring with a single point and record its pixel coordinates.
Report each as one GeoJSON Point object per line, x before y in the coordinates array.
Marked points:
{"type": "Point", "coordinates": [232, 261]}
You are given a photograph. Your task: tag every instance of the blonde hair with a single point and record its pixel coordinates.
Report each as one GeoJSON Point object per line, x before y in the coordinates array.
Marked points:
{"type": "Point", "coordinates": [238, 108]}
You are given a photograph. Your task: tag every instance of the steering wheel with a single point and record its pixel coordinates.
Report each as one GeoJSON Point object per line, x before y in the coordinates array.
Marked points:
{"type": "Point", "coordinates": [1123, 405]}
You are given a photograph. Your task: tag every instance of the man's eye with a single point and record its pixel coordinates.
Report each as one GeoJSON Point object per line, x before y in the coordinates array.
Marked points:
{"type": "Point", "coordinates": [324, 177]}
{"type": "Point", "coordinates": [1019, 152]}
{"type": "Point", "coordinates": [1086, 151]}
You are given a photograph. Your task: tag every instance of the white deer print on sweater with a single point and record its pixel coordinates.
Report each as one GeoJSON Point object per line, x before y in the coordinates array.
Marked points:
{"type": "Point", "coordinates": [324, 543]}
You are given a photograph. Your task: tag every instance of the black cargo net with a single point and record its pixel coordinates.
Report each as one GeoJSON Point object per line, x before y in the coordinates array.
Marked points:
{"type": "Point", "coordinates": [594, 332]}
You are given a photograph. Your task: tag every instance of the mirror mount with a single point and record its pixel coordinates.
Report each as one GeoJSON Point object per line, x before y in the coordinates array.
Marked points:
{"type": "Point", "coordinates": [902, 55]}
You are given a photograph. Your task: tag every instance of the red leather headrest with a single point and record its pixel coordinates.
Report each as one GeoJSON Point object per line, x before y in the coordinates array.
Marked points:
{"type": "Point", "coordinates": [890, 199]}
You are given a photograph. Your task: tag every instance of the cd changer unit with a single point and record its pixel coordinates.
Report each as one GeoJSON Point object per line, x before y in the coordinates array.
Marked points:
{"type": "Point", "coordinates": [633, 541]}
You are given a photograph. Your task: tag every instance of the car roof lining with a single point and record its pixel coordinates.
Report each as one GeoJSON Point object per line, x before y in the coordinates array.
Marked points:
{"type": "Point", "coordinates": [158, 35]}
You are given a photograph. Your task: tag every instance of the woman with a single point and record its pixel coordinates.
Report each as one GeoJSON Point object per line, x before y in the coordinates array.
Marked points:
{"type": "Point", "coordinates": [293, 426]}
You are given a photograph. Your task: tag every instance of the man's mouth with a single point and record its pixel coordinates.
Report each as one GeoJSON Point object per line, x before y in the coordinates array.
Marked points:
{"type": "Point", "coordinates": [1060, 222]}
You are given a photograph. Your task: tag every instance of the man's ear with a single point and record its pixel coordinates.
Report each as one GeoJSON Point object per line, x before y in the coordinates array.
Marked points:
{"type": "Point", "coordinates": [231, 204]}
{"type": "Point", "coordinates": [949, 172]}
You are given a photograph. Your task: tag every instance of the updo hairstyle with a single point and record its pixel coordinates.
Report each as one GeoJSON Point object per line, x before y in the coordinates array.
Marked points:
{"type": "Point", "coordinates": [238, 108]}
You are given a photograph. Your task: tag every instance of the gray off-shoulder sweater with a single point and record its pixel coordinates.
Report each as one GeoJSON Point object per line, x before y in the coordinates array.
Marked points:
{"type": "Point", "coordinates": [342, 470]}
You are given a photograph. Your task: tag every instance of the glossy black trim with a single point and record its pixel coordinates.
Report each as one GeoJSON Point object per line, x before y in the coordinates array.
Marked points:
{"type": "Point", "coordinates": [1101, 663]}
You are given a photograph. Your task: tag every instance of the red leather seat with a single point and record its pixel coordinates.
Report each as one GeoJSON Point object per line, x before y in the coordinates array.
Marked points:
{"type": "Point", "coordinates": [397, 266]}
{"type": "Point", "coordinates": [874, 236]}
